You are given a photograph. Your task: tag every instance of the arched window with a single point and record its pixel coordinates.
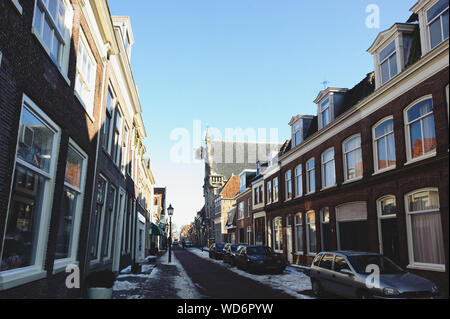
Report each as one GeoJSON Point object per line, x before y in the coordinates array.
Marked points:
{"type": "Point", "coordinates": [384, 145]}
{"type": "Point", "coordinates": [425, 235]}
{"type": "Point", "coordinates": [353, 165]}
{"type": "Point", "coordinates": [328, 169]}
{"type": "Point", "coordinates": [421, 132]}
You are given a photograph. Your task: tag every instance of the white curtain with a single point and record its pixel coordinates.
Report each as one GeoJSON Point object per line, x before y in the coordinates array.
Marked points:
{"type": "Point", "coordinates": [428, 240]}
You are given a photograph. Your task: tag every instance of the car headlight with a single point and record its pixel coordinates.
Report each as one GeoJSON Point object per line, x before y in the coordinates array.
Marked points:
{"type": "Point", "coordinates": [391, 292]}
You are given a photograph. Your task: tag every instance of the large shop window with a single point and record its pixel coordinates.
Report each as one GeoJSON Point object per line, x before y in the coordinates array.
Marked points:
{"type": "Point", "coordinates": [384, 145]}
{"type": "Point", "coordinates": [421, 132]}
{"type": "Point", "coordinates": [387, 227]}
{"type": "Point", "coordinates": [28, 217]}
{"type": "Point", "coordinates": [353, 165]}
{"type": "Point", "coordinates": [299, 247]}
{"type": "Point", "coordinates": [328, 169]}
{"type": "Point", "coordinates": [311, 232]}
{"type": "Point", "coordinates": [437, 21]}
{"type": "Point", "coordinates": [52, 25]}
{"type": "Point", "coordinates": [352, 227]}
{"type": "Point", "coordinates": [425, 234]}
{"type": "Point", "coordinates": [325, 228]}
{"type": "Point", "coordinates": [71, 206]}
{"type": "Point", "coordinates": [278, 234]}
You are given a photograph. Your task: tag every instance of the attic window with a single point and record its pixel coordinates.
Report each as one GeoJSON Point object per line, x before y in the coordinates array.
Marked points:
{"type": "Point", "coordinates": [297, 134]}
{"type": "Point", "coordinates": [388, 62]}
{"type": "Point", "coordinates": [437, 20]}
{"type": "Point", "coordinates": [325, 112]}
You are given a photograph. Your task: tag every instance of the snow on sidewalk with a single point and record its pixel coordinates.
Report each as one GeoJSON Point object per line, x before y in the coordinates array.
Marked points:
{"type": "Point", "coordinates": [292, 281]}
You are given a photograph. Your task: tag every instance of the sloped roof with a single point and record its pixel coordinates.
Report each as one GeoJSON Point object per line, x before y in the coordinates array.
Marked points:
{"type": "Point", "coordinates": [230, 158]}
{"type": "Point", "coordinates": [231, 188]}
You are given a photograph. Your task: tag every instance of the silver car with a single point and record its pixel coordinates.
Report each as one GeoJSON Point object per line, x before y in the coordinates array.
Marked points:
{"type": "Point", "coordinates": [353, 274]}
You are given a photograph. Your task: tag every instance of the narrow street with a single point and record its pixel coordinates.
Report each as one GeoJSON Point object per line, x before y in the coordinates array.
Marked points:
{"type": "Point", "coordinates": [216, 282]}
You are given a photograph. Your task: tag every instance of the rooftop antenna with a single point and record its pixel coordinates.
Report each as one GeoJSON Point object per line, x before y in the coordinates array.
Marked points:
{"type": "Point", "coordinates": [325, 84]}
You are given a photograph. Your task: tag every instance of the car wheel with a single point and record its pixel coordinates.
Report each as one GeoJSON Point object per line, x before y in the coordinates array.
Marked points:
{"type": "Point", "coordinates": [317, 288]}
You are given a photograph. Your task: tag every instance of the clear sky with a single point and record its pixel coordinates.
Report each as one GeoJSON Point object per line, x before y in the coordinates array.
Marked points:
{"type": "Point", "coordinates": [240, 64]}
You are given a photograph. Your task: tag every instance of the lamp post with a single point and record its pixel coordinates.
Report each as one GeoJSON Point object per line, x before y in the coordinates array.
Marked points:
{"type": "Point", "coordinates": [170, 213]}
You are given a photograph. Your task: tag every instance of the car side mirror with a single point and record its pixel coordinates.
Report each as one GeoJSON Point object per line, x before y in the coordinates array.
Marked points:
{"type": "Point", "coordinates": [347, 272]}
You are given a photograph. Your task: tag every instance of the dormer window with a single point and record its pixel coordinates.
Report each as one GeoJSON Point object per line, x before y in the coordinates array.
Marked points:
{"type": "Point", "coordinates": [437, 22]}
{"type": "Point", "coordinates": [325, 112]}
{"type": "Point", "coordinates": [388, 62]}
{"type": "Point", "coordinates": [297, 134]}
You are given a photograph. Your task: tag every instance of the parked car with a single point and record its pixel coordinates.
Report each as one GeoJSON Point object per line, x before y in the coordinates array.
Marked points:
{"type": "Point", "coordinates": [188, 244]}
{"type": "Point", "coordinates": [344, 273]}
{"type": "Point", "coordinates": [229, 253]}
{"type": "Point", "coordinates": [175, 243]}
{"type": "Point", "coordinates": [259, 259]}
{"type": "Point", "coordinates": [216, 251]}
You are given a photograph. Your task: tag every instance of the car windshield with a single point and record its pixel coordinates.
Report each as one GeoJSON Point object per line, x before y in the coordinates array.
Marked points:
{"type": "Point", "coordinates": [387, 266]}
{"type": "Point", "coordinates": [234, 247]}
{"type": "Point", "coordinates": [259, 251]}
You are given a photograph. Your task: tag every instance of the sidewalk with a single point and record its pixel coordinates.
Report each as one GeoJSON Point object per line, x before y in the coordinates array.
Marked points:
{"type": "Point", "coordinates": [158, 280]}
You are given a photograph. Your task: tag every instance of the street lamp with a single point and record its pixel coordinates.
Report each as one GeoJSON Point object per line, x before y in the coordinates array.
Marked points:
{"type": "Point", "coordinates": [170, 213]}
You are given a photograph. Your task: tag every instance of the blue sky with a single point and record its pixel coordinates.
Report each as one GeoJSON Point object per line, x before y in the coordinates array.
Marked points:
{"type": "Point", "coordinates": [240, 63]}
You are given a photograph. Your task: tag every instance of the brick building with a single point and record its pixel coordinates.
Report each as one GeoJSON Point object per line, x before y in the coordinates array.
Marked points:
{"type": "Point", "coordinates": [370, 171]}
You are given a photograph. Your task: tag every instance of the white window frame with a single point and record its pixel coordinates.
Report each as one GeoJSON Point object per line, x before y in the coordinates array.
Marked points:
{"type": "Point", "coordinates": [269, 192]}
{"type": "Point", "coordinates": [382, 217]}
{"type": "Point", "coordinates": [375, 145]}
{"type": "Point", "coordinates": [280, 229]}
{"type": "Point", "coordinates": [324, 171]}
{"type": "Point", "coordinates": [16, 277]}
{"type": "Point", "coordinates": [409, 157]}
{"type": "Point", "coordinates": [90, 87]}
{"type": "Point", "coordinates": [299, 217]}
{"type": "Point", "coordinates": [297, 128]}
{"type": "Point", "coordinates": [328, 108]}
{"type": "Point", "coordinates": [323, 221]}
{"type": "Point", "coordinates": [63, 64]}
{"type": "Point", "coordinates": [102, 221]}
{"type": "Point", "coordinates": [18, 6]}
{"type": "Point", "coordinates": [61, 264]}
{"type": "Point", "coordinates": [412, 263]}
{"type": "Point", "coordinates": [112, 223]}
{"type": "Point", "coordinates": [387, 59]}
{"type": "Point", "coordinates": [309, 190]}
{"type": "Point", "coordinates": [299, 181]}
{"type": "Point", "coordinates": [118, 131]}
{"type": "Point", "coordinates": [288, 185]}
{"type": "Point", "coordinates": [344, 152]}
{"type": "Point", "coordinates": [111, 112]}
{"type": "Point", "coordinates": [428, 23]}
{"type": "Point", "coordinates": [308, 239]}
{"type": "Point", "coordinates": [249, 234]}
{"type": "Point", "coordinates": [241, 212]}
{"type": "Point", "coordinates": [125, 139]}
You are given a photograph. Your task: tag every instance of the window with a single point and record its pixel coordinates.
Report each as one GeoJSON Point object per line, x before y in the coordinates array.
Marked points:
{"type": "Point", "coordinates": [421, 133]}
{"type": "Point", "coordinates": [99, 212]}
{"type": "Point", "coordinates": [249, 206]}
{"type": "Point", "coordinates": [117, 135]}
{"type": "Point", "coordinates": [388, 62]}
{"type": "Point", "coordinates": [249, 235]}
{"type": "Point", "coordinates": [384, 145]}
{"type": "Point", "coordinates": [243, 181]}
{"type": "Point", "coordinates": [298, 181]}
{"type": "Point", "coordinates": [108, 224]}
{"type": "Point", "coordinates": [310, 176]}
{"type": "Point", "coordinates": [108, 119]}
{"type": "Point", "coordinates": [86, 74]}
{"type": "Point", "coordinates": [325, 112]}
{"type": "Point", "coordinates": [327, 262]}
{"type": "Point", "coordinates": [325, 229]}
{"type": "Point", "coordinates": [340, 264]}
{"type": "Point", "coordinates": [71, 204]}
{"type": "Point", "coordinates": [125, 142]}
{"type": "Point", "coordinates": [269, 192]}
{"type": "Point", "coordinates": [353, 166]}
{"type": "Point", "coordinates": [425, 235]}
{"type": "Point", "coordinates": [275, 190]}
{"type": "Point", "coordinates": [328, 169]}
{"type": "Point", "coordinates": [299, 233]}
{"type": "Point", "coordinates": [24, 243]}
{"type": "Point", "coordinates": [297, 134]}
{"type": "Point", "coordinates": [288, 181]}
{"type": "Point", "coordinates": [437, 21]}
{"type": "Point", "coordinates": [261, 194]}
{"type": "Point", "coordinates": [278, 234]}
{"type": "Point", "coordinates": [311, 232]}
{"type": "Point", "coordinates": [387, 227]}
{"type": "Point", "coordinates": [256, 195]}
{"type": "Point", "coordinates": [242, 235]}
{"type": "Point", "coordinates": [241, 210]}
{"type": "Point", "coordinates": [52, 24]}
